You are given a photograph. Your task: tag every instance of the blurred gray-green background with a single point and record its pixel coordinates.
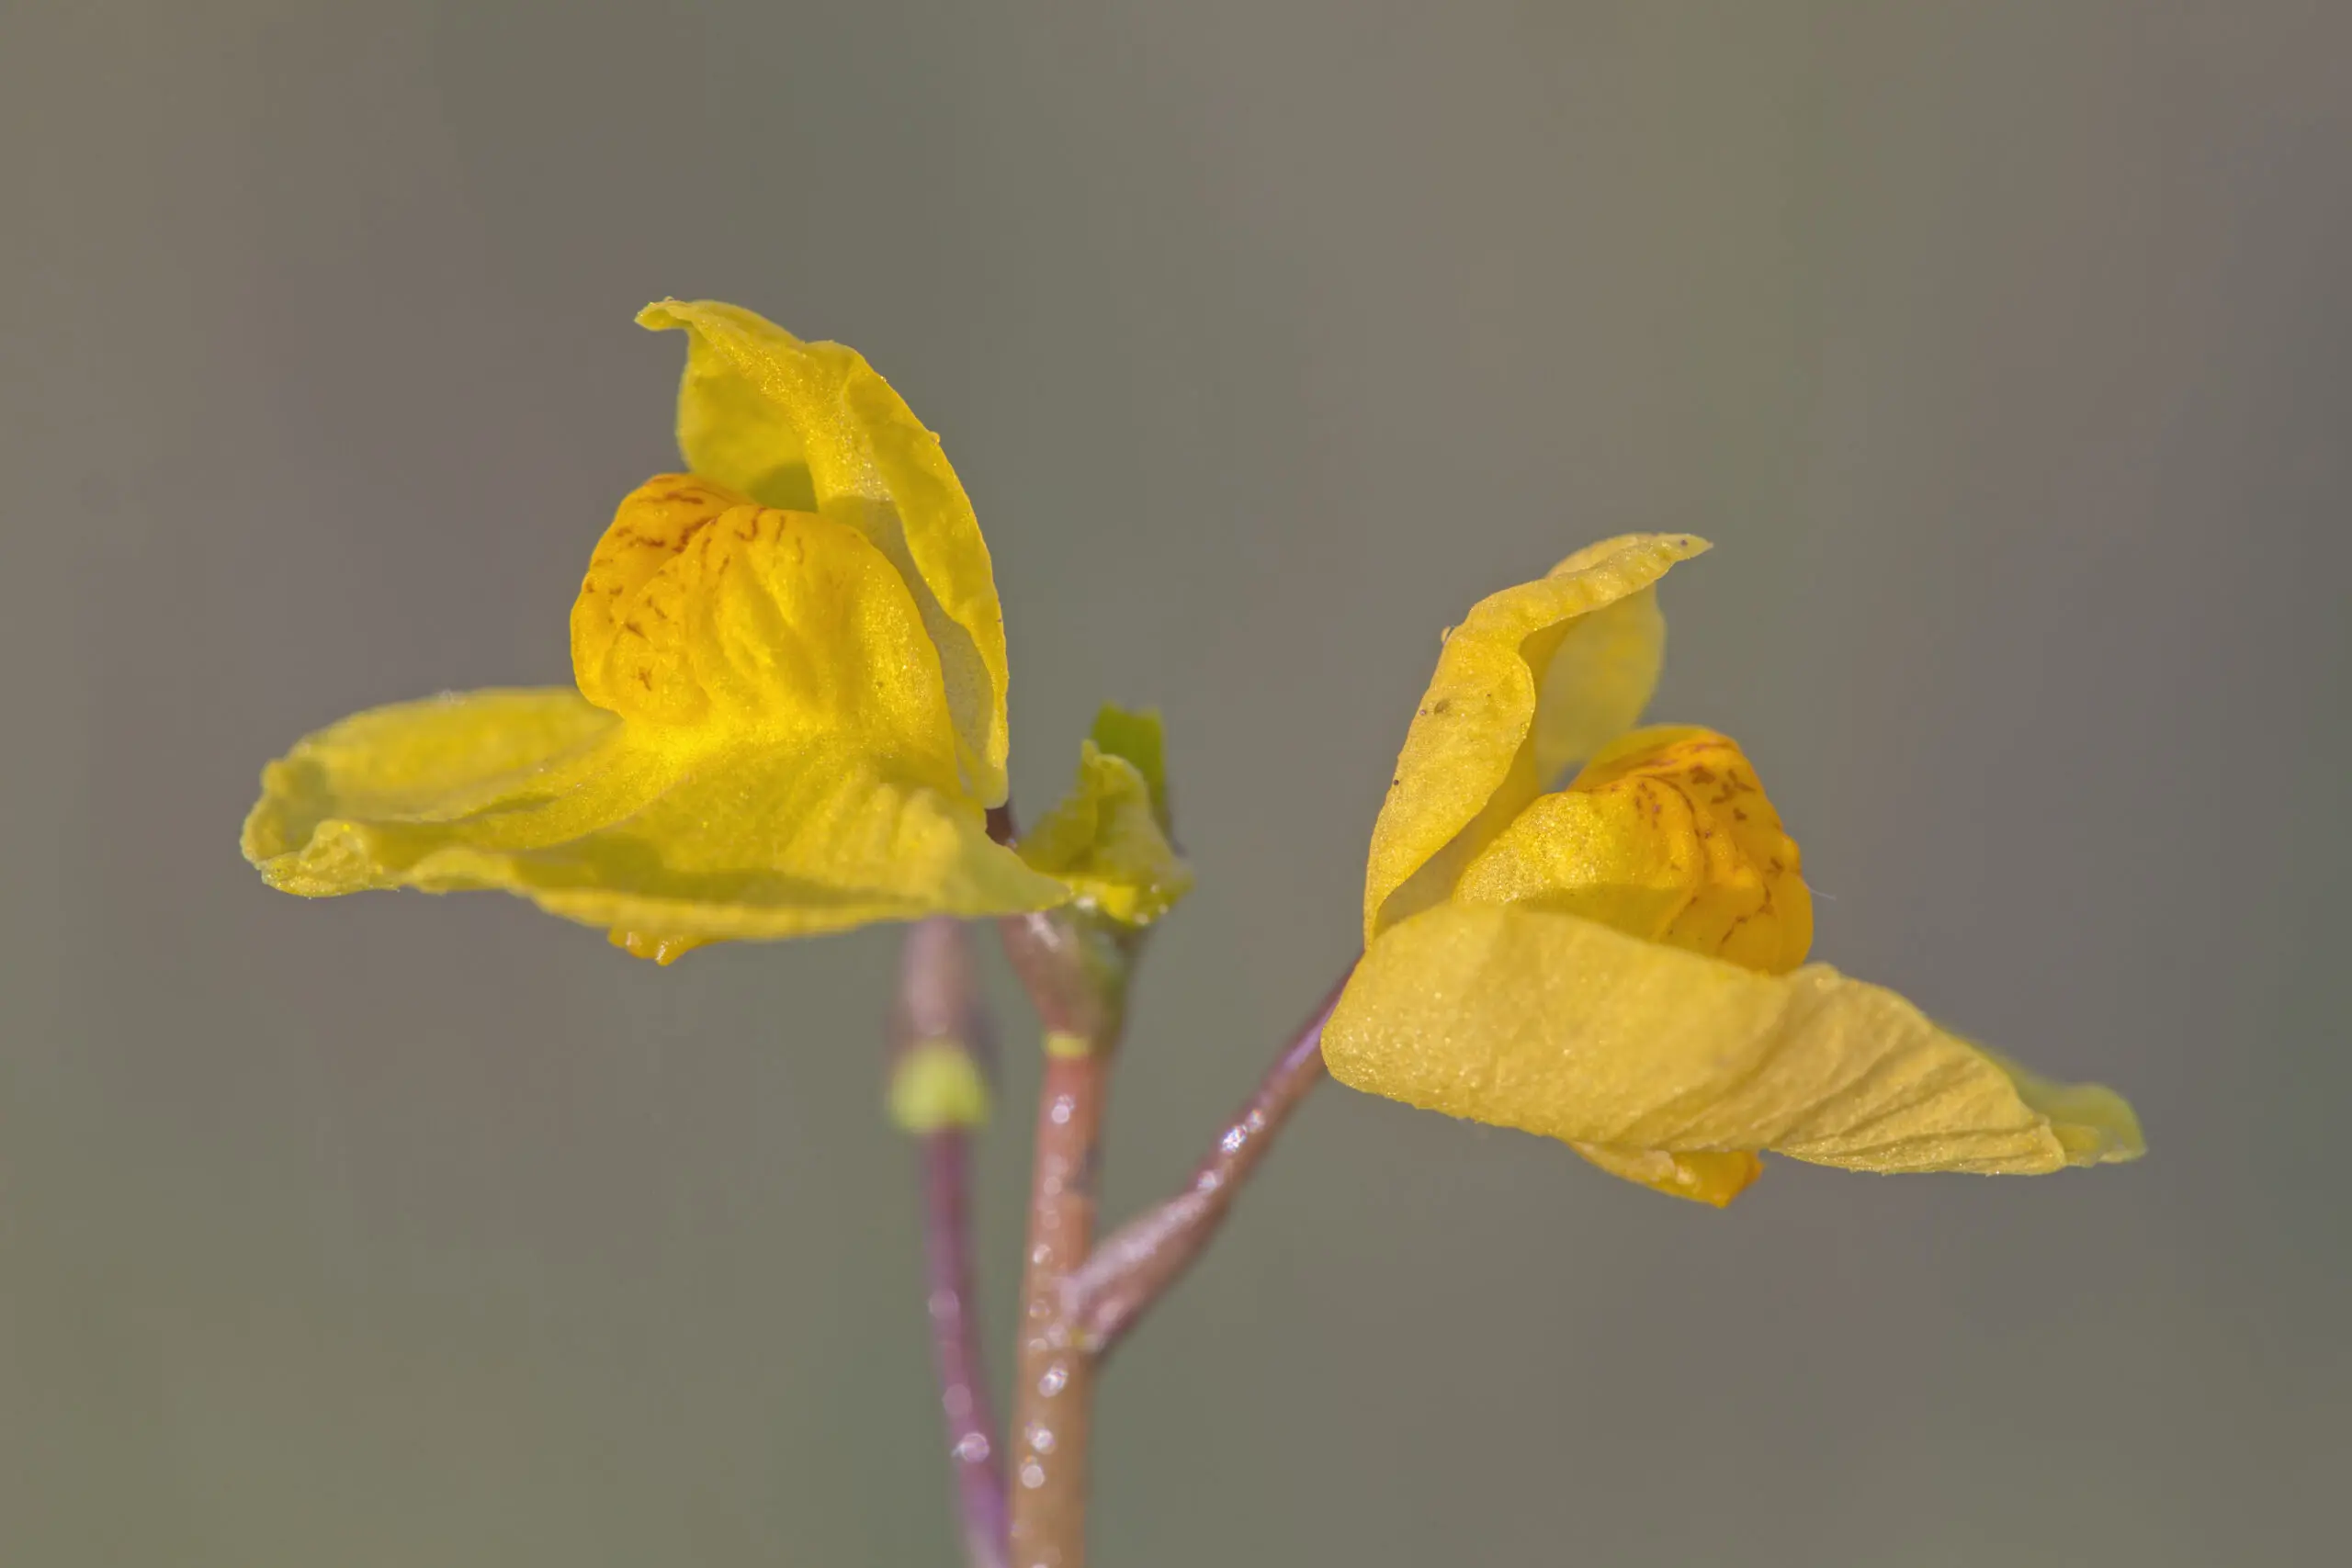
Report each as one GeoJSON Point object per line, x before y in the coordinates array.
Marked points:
{"type": "Point", "coordinates": [2006, 350]}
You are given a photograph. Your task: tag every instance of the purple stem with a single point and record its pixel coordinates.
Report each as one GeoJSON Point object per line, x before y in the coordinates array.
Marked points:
{"type": "Point", "coordinates": [955, 1346]}
{"type": "Point", "coordinates": [1137, 1264]}
{"type": "Point", "coordinates": [938, 1000]}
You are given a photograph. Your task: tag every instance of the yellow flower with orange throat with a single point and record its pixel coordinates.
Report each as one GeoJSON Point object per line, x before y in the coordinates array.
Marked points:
{"type": "Point", "coordinates": [789, 709]}
{"type": "Point", "coordinates": [1618, 960]}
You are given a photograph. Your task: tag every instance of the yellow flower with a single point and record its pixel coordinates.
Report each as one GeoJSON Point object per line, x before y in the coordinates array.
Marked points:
{"type": "Point", "coordinates": [790, 713]}
{"type": "Point", "coordinates": [1616, 963]}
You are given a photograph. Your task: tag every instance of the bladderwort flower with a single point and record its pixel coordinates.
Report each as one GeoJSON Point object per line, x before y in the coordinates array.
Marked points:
{"type": "Point", "coordinates": [1620, 963]}
{"type": "Point", "coordinates": [788, 718]}
{"type": "Point", "coordinates": [788, 714]}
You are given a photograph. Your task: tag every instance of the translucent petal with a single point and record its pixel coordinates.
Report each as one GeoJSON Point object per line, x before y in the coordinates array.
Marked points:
{"type": "Point", "coordinates": [811, 427]}
{"type": "Point", "coordinates": [1599, 677]}
{"type": "Point", "coordinates": [692, 834]}
{"type": "Point", "coordinates": [1535, 676]}
{"type": "Point", "coordinates": [1105, 839]}
{"type": "Point", "coordinates": [1558, 1025]}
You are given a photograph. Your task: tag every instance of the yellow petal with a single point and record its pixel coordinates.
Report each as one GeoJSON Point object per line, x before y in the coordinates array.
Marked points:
{"type": "Point", "coordinates": [1105, 839]}
{"type": "Point", "coordinates": [811, 427]}
{"type": "Point", "coordinates": [1558, 1025]}
{"type": "Point", "coordinates": [1715, 1178]}
{"type": "Point", "coordinates": [665, 950]}
{"type": "Point", "coordinates": [1598, 678]}
{"type": "Point", "coordinates": [1668, 835]}
{"type": "Point", "coordinates": [1535, 676]}
{"type": "Point", "coordinates": [782, 762]}
{"type": "Point", "coordinates": [702, 612]}
{"type": "Point", "coordinates": [442, 759]}
{"type": "Point", "coordinates": [614, 827]}
{"type": "Point", "coordinates": [631, 650]}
